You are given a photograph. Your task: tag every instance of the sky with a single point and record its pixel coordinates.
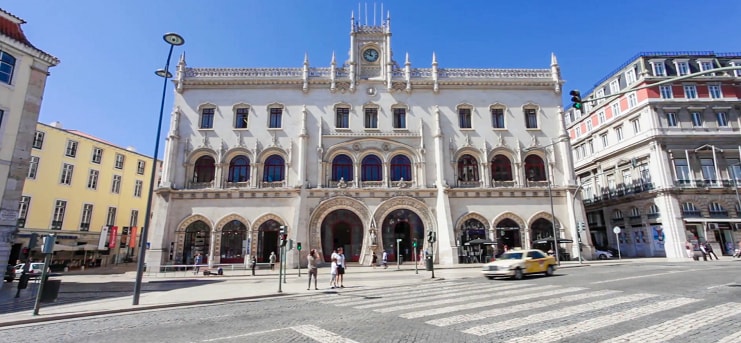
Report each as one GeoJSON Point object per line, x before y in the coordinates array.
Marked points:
{"type": "Point", "coordinates": [105, 84]}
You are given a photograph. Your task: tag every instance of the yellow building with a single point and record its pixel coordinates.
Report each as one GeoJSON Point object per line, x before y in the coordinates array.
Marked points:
{"type": "Point", "coordinates": [89, 192]}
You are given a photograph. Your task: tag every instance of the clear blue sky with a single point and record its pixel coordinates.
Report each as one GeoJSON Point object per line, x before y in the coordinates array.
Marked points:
{"type": "Point", "coordinates": [105, 85]}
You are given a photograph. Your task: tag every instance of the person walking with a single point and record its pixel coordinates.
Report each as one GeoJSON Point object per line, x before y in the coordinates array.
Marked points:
{"type": "Point", "coordinates": [333, 272]}
{"type": "Point", "coordinates": [340, 267]}
{"type": "Point", "coordinates": [385, 260]}
{"type": "Point", "coordinates": [197, 264]}
{"type": "Point", "coordinates": [709, 251]}
{"type": "Point", "coordinates": [272, 260]}
{"type": "Point", "coordinates": [703, 251]}
{"type": "Point", "coordinates": [688, 248]}
{"type": "Point", "coordinates": [312, 266]}
{"type": "Point", "coordinates": [253, 263]}
{"type": "Point", "coordinates": [374, 260]}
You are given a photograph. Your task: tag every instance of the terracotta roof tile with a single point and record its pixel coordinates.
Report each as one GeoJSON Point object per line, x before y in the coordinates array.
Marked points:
{"type": "Point", "coordinates": [13, 29]}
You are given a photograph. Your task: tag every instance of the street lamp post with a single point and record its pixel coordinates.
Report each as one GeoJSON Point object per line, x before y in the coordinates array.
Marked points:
{"type": "Point", "coordinates": [173, 39]}
{"type": "Point", "coordinates": [550, 197]}
{"type": "Point", "coordinates": [735, 183]}
{"type": "Point", "coordinates": [578, 234]}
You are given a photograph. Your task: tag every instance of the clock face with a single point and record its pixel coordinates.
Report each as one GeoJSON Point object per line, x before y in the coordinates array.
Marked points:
{"type": "Point", "coordinates": [370, 55]}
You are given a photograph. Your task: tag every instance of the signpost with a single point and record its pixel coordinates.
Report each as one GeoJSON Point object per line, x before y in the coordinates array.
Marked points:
{"type": "Point", "coordinates": [616, 230]}
{"type": "Point", "coordinates": [398, 249]}
{"type": "Point", "coordinates": [48, 249]}
{"type": "Point", "coordinates": [298, 248]}
{"type": "Point", "coordinates": [414, 243]}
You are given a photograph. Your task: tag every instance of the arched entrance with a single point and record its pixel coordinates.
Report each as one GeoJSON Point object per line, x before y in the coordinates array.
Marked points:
{"type": "Point", "coordinates": [197, 241]}
{"type": "Point", "coordinates": [267, 241]}
{"type": "Point", "coordinates": [542, 229]}
{"type": "Point", "coordinates": [472, 238]}
{"type": "Point", "coordinates": [508, 234]}
{"type": "Point", "coordinates": [342, 228]}
{"type": "Point", "coordinates": [233, 236]}
{"type": "Point", "coordinates": [404, 225]}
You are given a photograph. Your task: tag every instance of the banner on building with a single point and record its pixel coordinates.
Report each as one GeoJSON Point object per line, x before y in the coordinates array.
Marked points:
{"type": "Point", "coordinates": [103, 240]}
{"type": "Point", "coordinates": [658, 233]}
{"type": "Point", "coordinates": [132, 237]}
{"type": "Point", "coordinates": [124, 237]}
{"type": "Point", "coordinates": [112, 233]}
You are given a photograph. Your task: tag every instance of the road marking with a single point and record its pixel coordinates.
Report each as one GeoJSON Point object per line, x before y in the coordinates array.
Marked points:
{"type": "Point", "coordinates": [432, 303]}
{"type": "Point", "coordinates": [723, 285]}
{"type": "Point", "coordinates": [320, 335]}
{"type": "Point", "coordinates": [732, 338]}
{"type": "Point", "coordinates": [413, 298]}
{"type": "Point", "coordinates": [242, 335]}
{"type": "Point", "coordinates": [680, 326]}
{"type": "Point", "coordinates": [564, 332]}
{"type": "Point", "coordinates": [553, 315]}
{"type": "Point", "coordinates": [517, 308]}
{"type": "Point", "coordinates": [503, 298]}
{"type": "Point", "coordinates": [652, 275]}
{"type": "Point", "coordinates": [354, 296]}
{"type": "Point", "coordinates": [403, 297]}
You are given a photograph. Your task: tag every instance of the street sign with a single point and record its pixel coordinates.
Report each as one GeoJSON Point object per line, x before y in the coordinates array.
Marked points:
{"type": "Point", "coordinates": [616, 230]}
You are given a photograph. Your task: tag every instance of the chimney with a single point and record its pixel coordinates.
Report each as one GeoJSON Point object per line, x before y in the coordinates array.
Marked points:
{"type": "Point", "coordinates": [56, 124]}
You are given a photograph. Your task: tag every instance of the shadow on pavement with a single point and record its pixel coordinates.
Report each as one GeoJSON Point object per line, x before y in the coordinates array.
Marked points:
{"type": "Point", "coordinates": [74, 292]}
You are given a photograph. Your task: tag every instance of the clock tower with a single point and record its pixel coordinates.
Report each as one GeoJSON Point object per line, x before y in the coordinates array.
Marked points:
{"type": "Point", "coordinates": [370, 50]}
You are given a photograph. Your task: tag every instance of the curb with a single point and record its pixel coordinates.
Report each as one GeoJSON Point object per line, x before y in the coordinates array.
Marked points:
{"type": "Point", "coordinates": [51, 318]}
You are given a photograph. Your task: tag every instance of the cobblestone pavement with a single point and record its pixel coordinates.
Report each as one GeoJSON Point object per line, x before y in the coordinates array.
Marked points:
{"type": "Point", "coordinates": [683, 303]}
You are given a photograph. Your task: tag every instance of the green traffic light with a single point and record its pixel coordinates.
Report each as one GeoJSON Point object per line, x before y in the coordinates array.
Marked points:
{"type": "Point", "coordinates": [577, 105]}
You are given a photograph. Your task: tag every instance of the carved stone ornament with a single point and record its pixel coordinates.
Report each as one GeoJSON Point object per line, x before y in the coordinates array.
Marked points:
{"type": "Point", "coordinates": [373, 239]}
{"type": "Point", "coordinates": [403, 184]}
{"type": "Point", "coordinates": [356, 146]}
{"type": "Point", "coordinates": [342, 183]}
{"type": "Point", "coordinates": [385, 147]}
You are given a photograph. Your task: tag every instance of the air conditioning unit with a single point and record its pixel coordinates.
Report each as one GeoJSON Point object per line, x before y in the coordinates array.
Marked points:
{"type": "Point", "coordinates": [713, 226]}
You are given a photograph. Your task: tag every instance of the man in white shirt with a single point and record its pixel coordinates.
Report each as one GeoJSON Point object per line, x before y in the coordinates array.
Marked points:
{"type": "Point", "coordinates": [340, 266]}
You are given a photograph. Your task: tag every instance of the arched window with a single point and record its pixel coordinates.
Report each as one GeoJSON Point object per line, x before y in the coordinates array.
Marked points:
{"type": "Point", "coordinates": [342, 168]}
{"type": "Point", "coordinates": [274, 169]}
{"type": "Point", "coordinates": [468, 169]}
{"type": "Point", "coordinates": [204, 169]}
{"type": "Point", "coordinates": [239, 169]}
{"type": "Point", "coordinates": [371, 169]}
{"type": "Point", "coordinates": [501, 168]}
{"type": "Point", "coordinates": [534, 168]}
{"type": "Point", "coordinates": [401, 167]}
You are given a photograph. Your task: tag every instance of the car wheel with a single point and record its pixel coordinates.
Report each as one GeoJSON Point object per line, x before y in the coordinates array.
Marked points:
{"type": "Point", "coordinates": [602, 256]}
{"type": "Point", "coordinates": [518, 274]}
{"type": "Point", "coordinates": [549, 271]}
{"type": "Point", "coordinates": [490, 277]}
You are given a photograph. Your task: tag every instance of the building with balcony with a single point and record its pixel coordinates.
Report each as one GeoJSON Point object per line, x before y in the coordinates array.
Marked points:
{"type": "Point", "coordinates": [368, 154]}
{"type": "Point", "coordinates": [661, 163]}
{"type": "Point", "coordinates": [91, 193]}
{"type": "Point", "coordinates": [23, 72]}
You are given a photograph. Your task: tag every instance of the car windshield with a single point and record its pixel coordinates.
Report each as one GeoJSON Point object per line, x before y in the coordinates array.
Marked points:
{"type": "Point", "coordinates": [511, 256]}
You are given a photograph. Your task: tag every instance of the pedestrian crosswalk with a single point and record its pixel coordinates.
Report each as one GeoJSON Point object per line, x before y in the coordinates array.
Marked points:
{"type": "Point", "coordinates": [525, 312]}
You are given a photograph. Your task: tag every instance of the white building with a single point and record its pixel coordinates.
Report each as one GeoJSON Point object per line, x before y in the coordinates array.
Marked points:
{"type": "Point", "coordinates": [361, 154]}
{"type": "Point", "coordinates": [662, 163]}
{"type": "Point", "coordinates": [23, 72]}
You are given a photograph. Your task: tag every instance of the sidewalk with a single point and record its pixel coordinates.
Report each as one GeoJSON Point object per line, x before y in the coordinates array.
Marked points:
{"type": "Point", "coordinates": [179, 289]}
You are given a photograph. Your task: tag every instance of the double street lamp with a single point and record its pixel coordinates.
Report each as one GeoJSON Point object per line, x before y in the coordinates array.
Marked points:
{"type": "Point", "coordinates": [173, 39]}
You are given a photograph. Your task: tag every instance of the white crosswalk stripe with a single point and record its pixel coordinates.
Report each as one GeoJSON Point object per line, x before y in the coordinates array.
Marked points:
{"type": "Point", "coordinates": [564, 332]}
{"type": "Point", "coordinates": [732, 338]}
{"type": "Point", "coordinates": [353, 295]}
{"type": "Point", "coordinates": [409, 298]}
{"type": "Point", "coordinates": [320, 335]}
{"type": "Point", "coordinates": [682, 325]}
{"type": "Point", "coordinates": [394, 297]}
{"type": "Point", "coordinates": [463, 318]}
{"type": "Point", "coordinates": [536, 318]}
{"type": "Point", "coordinates": [502, 298]}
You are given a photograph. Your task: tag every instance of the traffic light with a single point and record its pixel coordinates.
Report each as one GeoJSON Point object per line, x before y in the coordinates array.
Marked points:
{"type": "Point", "coordinates": [414, 243]}
{"type": "Point", "coordinates": [283, 239]}
{"type": "Point", "coordinates": [431, 236]}
{"type": "Point", "coordinates": [298, 246]}
{"type": "Point", "coordinates": [581, 226]}
{"type": "Point", "coordinates": [576, 99]}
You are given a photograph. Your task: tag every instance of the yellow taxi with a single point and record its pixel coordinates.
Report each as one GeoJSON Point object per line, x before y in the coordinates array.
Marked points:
{"type": "Point", "coordinates": [520, 262]}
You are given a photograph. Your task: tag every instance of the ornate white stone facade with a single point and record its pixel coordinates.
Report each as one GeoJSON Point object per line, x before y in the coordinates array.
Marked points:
{"type": "Point", "coordinates": [361, 154]}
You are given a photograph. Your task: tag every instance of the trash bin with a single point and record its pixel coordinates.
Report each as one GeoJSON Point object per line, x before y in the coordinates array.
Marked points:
{"type": "Point", "coordinates": [220, 271]}
{"type": "Point", "coordinates": [428, 263]}
{"type": "Point", "coordinates": [51, 291]}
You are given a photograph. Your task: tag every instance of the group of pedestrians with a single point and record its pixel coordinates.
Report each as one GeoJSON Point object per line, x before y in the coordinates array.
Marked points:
{"type": "Point", "coordinates": [705, 248]}
{"type": "Point", "coordinates": [337, 268]}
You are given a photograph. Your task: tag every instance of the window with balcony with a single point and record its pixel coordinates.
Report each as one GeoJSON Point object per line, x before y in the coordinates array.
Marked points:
{"type": "Point", "coordinates": [468, 169]}
{"type": "Point", "coordinates": [666, 91]}
{"type": "Point", "coordinates": [33, 167]}
{"type": "Point", "coordinates": [67, 170]}
{"type": "Point", "coordinates": [501, 168]}
{"type": "Point", "coordinates": [38, 140]}
{"type": "Point", "coordinates": [635, 213]}
{"type": "Point", "coordinates": [92, 179]}
{"type": "Point", "coordinates": [60, 206]}
{"type": "Point", "coordinates": [86, 218]}
{"type": "Point", "coordinates": [717, 211]}
{"type": "Point", "coordinates": [275, 120]}
{"type": "Point", "coordinates": [371, 169]}
{"type": "Point", "coordinates": [715, 91]}
{"type": "Point", "coordinates": [636, 124]}
{"type": "Point", "coordinates": [601, 117]}
{"type": "Point", "coordinates": [682, 169]}
{"type": "Point", "coordinates": [605, 140]}
{"type": "Point", "coordinates": [617, 215]}
{"type": "Point", "coordinates": [734, 169]}
{"type": "Point", "coordinates": [400, 118]}
{"type": "Point", "coordinates": [619, 133]}
{"type": "Point", "coordinates": [534, 168]}
{"type": "Point", "coordinates": [71, 150]}
{"type": "Point", "coordinates": [708, 169]}
{"type": "Point", "coordinates": [274, 170]}
{"type": "Point", "coordinates": [531, 118]}
{"type": "Point", "coordinates": [239, 169]}
{"type": "Point", "coordinates": [342, 168]}
{"type": "Point", "coordinates": [371, 117]}
{"type": "Point", "coordinates": [615, 109]}
{"type": "Point", "coordinates": [722, 119]}
{"type": "Point", "coordinates": [401, 168]}
{"type": "Point", "coordinates": [627, 178]}
{"type": "Point", "coordinates": [690, 91]}
{"type": "Point", "coordinates": [204, 169]}
{"type": "Point", "coordinates": [464, 118]}
{"type": "Point", "coordinates": [671, 119]}
{"type": "Point", "coordinates": [342, 117]}
{"type": "Point", "coordinates": [653, 211]}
